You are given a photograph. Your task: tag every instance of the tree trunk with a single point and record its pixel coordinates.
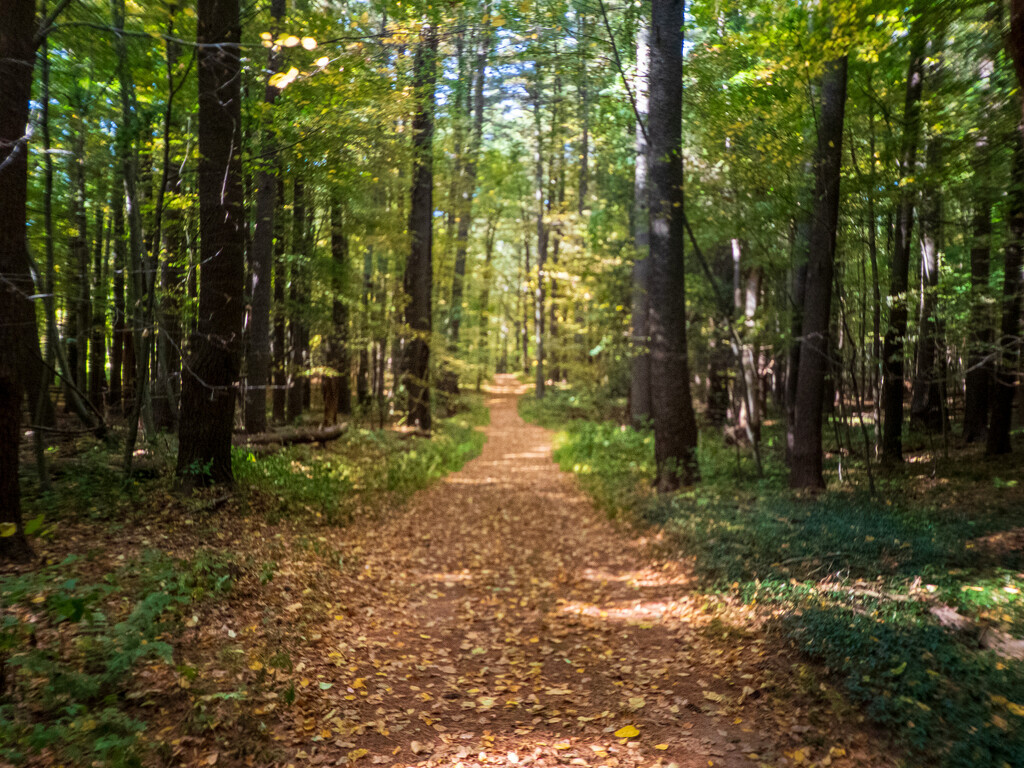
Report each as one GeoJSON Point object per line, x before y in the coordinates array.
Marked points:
{"type": "Point", "coordinates": [17, 315]}
{"type": "Point", "coordinates": [262, 253]}
{"type": "Point", "coordinates": [675, 428]}
{"type": "Point", "coordinates": [978, 380]}
{"type": "Point", "coordinates": [210, 379]}
{"type": "Point", "coordinates": [98, 325]}
{"type": "Point", "coordinates": [1005, 383]}
{"type": "Point", "coordinates": [298, 333]}
{"type": "Point", "coordinates": [893, 345]}
{"type": "Point", "coordinates": [280, 351]}
{"type": "Point", "coordinates": [807, 454]}
{"type": "Point", "coordinates": [640, 362]}
{"type": "Point", "coordinates": [926, 407]}
{"type": "Point", "coordinates": [542, 231]}
{"type": "Point", "coordinates": [418, 280]}
{"type": "Point", "coordinates": [337, 388]}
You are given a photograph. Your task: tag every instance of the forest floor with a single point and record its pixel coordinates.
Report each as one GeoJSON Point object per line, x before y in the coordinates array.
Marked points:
{"type": "Point", "coordinates": [498, 619]}
{"type": "Point", "coordinates": [494, 618]}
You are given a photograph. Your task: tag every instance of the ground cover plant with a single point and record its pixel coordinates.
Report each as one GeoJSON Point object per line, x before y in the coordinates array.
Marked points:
{"type": "Point", "coordinates": [863, 585]}
{"type": "Point", "coordinates": [89, 638]}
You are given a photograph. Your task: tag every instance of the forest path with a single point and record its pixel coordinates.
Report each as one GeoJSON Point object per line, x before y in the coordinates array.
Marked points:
{"type": "Point", "coordinates": [500, 619]}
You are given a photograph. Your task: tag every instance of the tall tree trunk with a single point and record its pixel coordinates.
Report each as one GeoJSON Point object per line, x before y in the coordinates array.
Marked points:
{"type": "Point", "coordinates": [542, 231]}
{"type": "Point", "coordinates": [978, 380]}
{"type": "Point", "coordinates": [640, 362]}
{"type": "Point", "coordinates": [209, 382]}
{"type": "Point", "coordinates": [926, 407]}
{"type": "Point", "coordinates": [583, 84]}
{"type": "Point", "coordinates": [337, 388]}
{"type": "Point", "coordinates": [17, 315]}
{"type": "Point", "coordinates": [363, 372]}
{"type": "Point", "coordinates": [468, 191]}
{"type": "Point", "coordinates": [418, 280]}
{"type": "Point", "coordinates": [280, 351]}
{"type": "Point", "coordinates": [262, 253]}
{"type": "Point", "coordinates": [297, 331]}
{"type": "Point", "coordinates": [807, 456]}
{"type": "Point", "coordinates": [140, 287]}
{"type": "Point", "coordinates": [675, 428]}
{"type": "Point", "coordinates": [98, 324]}
{"type": "Point", "coordinates": [167, 231]}
{"type": "Point", "coordinates": [1005, 383]}
{"type": "Point", "coordinates": [893, 345]}
{"type": "Point", "coordinates": [121, 359]}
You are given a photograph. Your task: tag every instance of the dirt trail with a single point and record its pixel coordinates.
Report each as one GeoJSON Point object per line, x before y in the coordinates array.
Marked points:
{"type": "Point", "coordinates": [500, 619]}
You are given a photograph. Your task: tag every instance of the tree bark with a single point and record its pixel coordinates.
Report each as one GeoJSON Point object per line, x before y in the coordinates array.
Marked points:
{"type": "Point", "coordinates": [298, 333]}
{"type": "Point", "coordinates": [17, 315]}
{"type": "Point", "coordinates": [807, 455]}
{"type": "Point", "coordinates": [262, 254]}
{"type": "Point", "coordinates": [640, 362]}
{"type": "Point", "coordinates": [893, 344]}
{"type": "Point", "coordinates": [675, 428]}
{"type": "Point", "coordinates": [978, 380]}
{"type": "Point", "coordinates": [1004, 386]}
{"type": "Point", "coordinates": [926, 406]}
{"type": "Point", "coordinates": [337, 388]}
{"type": "Point", "coordinates": [280, 350]}
{"type": "Point", "coordinates": [542, 231]}
{"type": "Point", "coordinates": [418, 280]}
{"type": "Point", "coordinates": [210, 379]}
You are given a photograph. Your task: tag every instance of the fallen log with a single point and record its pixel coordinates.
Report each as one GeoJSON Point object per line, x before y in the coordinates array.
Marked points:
{"type": "Point", "coordinates": [293, 436]}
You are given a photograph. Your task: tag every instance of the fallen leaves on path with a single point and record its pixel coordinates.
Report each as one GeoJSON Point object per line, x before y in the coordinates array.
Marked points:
{"type": "Point", "coordinates": [497, 620]}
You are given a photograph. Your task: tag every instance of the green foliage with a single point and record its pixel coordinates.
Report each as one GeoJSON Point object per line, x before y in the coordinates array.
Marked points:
{"type": "Point", "coordinates": [68, 649]}
{"type": "Point", "coordinates": [323, 483]}
{"type": "Point", "coordinates": [853, 579]}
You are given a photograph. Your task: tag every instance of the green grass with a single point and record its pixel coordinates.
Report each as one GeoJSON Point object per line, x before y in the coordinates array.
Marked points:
{"type": "Point", "coordinates": [307, 481]}
{"type": "Point", "coordinates": [850, 579]}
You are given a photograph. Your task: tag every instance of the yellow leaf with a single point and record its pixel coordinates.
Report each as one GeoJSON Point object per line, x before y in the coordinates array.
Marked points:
{"type": "Point", "coordinates": [661, 746]}
{"type": "Point", "coordinates": [562, 745]}
{"type": "Point", "coordinates": [627, 732]}
{"type": "Point", "coordinates": [359, 682]}
{"type": "Point", "coordinates": [355, 754]}
{"type": "Point", "coordinates": [256, 666]}
{"type": "Point", "coordinates": [309, 43]}
{"type": "Point", "coordinates": [291, 41]}
{"type": "Point", "coordinates": [7, 530]}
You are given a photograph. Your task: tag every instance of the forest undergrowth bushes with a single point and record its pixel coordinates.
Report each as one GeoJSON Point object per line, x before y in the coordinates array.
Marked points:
{"type": "Point", "coordinates": [81, 633]}
{"type": "Point", "coordinates": [849, 580]}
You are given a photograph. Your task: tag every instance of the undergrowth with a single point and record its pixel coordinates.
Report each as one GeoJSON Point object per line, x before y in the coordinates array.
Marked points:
{"type": "Point", "coordinates": [68, 648]}
{"type": "Point", "coordinates": [847, 578]}
{"type": "Point", "coordinates": [76, 633]}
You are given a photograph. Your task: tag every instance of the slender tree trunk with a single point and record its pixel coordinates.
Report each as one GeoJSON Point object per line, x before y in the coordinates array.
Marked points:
{"type": "Point", "coordinates": [893, 345]}
{"type": "Point", "coordinates": [1005, 382]}
{"type": "Point", "coordinates": [121, 359]}
{"type": "Point", "coordinates": [210, 380]}
{"type": "Point", "coordinates": [98, 329]}
{"type": "Point", "coordinates": [583, 84]}
{"type": "Point", "coordinates": [807, 454]}
{"type": "Point", "coordinates": [337, 388]}
{"type": "Point", "coordinates": [418, 281]}
{"type": "Point", "coordinates": [297, 331]}
{"type": "Point", "coordinates": [258, 361]}
{"type": "Point", "coordinates": [640, 363]}
{"type": "Point", "coordinates": [926, 407]}
{"type": "Point", "coordinates": [542, 232]}
{"type": "Point", "coordinates": [978, 380]}
{"type": "Point", "coordinates": [280, 351]}
{"type": "Point", "coordinates": [17, 315]}
{"type": "Point", "coordinates": [675, 428]}
{"type": "Point", "coordinates": [363, 373]}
